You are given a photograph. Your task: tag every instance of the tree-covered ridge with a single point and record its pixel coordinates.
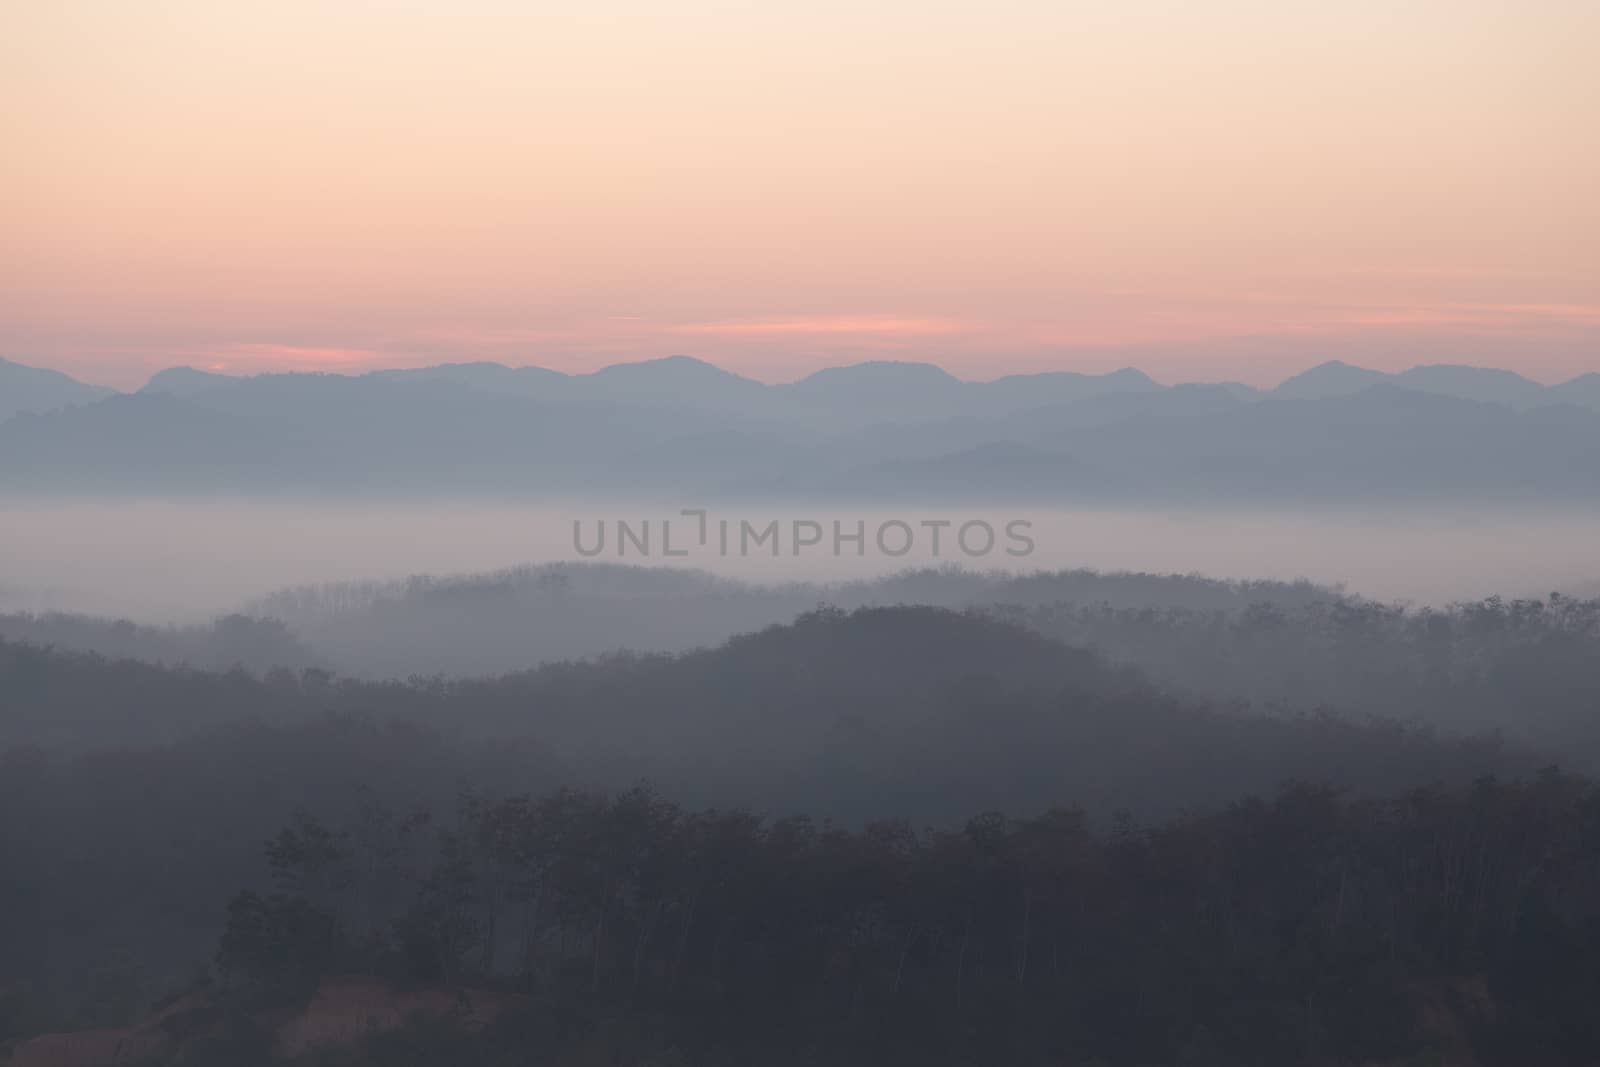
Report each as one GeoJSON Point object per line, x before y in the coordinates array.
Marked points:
{"type": "Point", "coordinates": [1440, 926]}
{"type": "Point", "coordinates": [927, 711]}
{"type": "Point", "coordinates": [496, 622]}
{"type": "Point", "coordinates": [1528, 667]}
{"type": "Point", "coordinates": [162, 781]}
{"type": "Point", "coordinates": [513, 619]}
{"type": "Point", "coordinates": [254, 643]}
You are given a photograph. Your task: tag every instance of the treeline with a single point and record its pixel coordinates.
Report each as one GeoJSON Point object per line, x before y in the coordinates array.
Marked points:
{"type": "Point", "coordinates": [233, 641]}
{"type": "Point", "coordinates": [509, 620]}
{"type": "Point", "coordinates": [132, 797]}
{"type": "Point", "coordinates": [1530, 668]}
{"type": "Point", "coordinates": [1458, 926]}
{"type": "Point", "coordinates": [929, 712]}
{"type": "Point", "coordinates": [1527, 668]}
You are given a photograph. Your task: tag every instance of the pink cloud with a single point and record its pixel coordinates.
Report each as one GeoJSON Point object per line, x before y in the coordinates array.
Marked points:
{"type": "Point", "coordinates": [236, 357]}
{"type": "Point", "coordinates": [826, 325]}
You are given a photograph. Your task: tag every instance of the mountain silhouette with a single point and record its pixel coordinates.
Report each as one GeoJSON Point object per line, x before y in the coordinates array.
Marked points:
{"type": "Point", "coordinates": [897, 429]}
{"type": "Point", "coordinates": [1333, 378]}
{"type": "Point", "coordinates": [36, 390]}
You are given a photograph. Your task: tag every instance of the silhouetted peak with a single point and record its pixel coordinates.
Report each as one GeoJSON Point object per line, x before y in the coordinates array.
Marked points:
{"type": "Point", "coordinates": [36, 390]}
{"type": "Point", "coordinates": [185, 381]}
{"type": "Point", "coordinates": [1332, 378]}
{"type": "Point", "coordinates": [1129, 376]}
{"type": "Point", "coordinates": [668, 368]}
{"type": "Point", "coordinates": [877, 371]}
{"type": "Point", "coordinates": [1475, 383]}
{"type": "Point", "coordinates": [11, 371]}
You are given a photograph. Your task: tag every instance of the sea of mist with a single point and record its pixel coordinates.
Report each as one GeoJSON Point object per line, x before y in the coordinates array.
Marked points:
{"type": "Point", "coordinates": [175, 560]}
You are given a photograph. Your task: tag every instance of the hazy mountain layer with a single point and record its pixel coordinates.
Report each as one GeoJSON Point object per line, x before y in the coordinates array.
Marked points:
{"type": "Point", "coordinates": [1527, 668]}
{"type": "Point", "coordinates": [35, 390]}
{"type": "Point", "coordinates": [902, 431]}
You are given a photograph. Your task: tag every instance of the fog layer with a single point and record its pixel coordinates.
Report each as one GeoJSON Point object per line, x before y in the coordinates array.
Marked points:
{"type": "Point", "coordinates": [186, 559]}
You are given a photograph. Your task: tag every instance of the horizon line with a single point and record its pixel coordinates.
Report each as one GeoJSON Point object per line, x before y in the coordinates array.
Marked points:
{"type": "Point", "coordinates": [220, 371]}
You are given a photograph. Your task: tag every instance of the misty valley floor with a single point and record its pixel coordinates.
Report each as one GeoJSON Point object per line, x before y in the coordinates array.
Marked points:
{"type": "Point", "coordinates": [187, 559]}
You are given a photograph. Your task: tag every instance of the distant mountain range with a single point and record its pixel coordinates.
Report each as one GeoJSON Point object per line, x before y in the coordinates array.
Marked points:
{"type": "Point", "coordinates": [36, 390]}
{"type": "Point", "coordinates": [884, 430]}
{"type": "Point", "coordinates": [1464, 383]}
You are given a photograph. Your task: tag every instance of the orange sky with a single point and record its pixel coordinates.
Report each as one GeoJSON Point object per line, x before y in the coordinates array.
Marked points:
{"type": "Point", "coordinates": [1235, 189]}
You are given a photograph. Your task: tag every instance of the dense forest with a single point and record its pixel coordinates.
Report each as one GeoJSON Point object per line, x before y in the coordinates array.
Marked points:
{"type": "Point", "coordinates": [1438, 926]}
{"type": "Point", "coordinates": [1529, 668]}
{"type": "Point", "coordinates": [1308, 927]}
{"type": "Point", "coordinates": [502, 621]}
{"type": "Point", "coordinates": [1018, 832]}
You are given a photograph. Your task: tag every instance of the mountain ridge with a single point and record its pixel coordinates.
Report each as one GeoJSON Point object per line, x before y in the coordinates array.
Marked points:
{"type": "Point", "coordinates": [39, 390]}
{"type": "Point", "coordinates": [1318, 380]}
{"type": "Point", "coordinates": [893, 429]}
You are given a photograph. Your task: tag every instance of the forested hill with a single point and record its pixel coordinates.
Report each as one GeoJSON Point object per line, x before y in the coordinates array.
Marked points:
{"type": "Point", "coordinates": [508, 620]}
{"type": "Point", "coordinates": [163, 782]}
{"type": "Point", "coordinates": [927, 711]}
{"type": "Point", "coordinates": [1529, 668]}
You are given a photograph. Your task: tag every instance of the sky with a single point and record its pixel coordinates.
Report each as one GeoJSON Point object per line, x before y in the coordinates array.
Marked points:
{"type": "Point", "coordinates": [1229, 190]}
